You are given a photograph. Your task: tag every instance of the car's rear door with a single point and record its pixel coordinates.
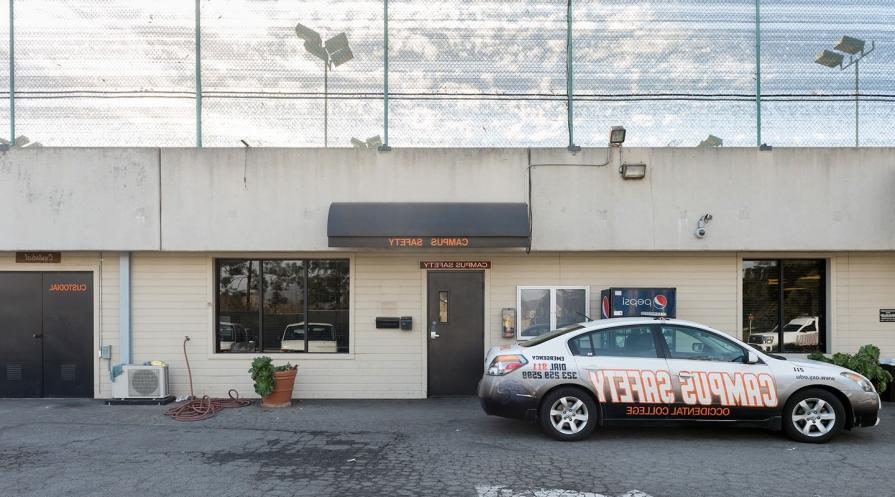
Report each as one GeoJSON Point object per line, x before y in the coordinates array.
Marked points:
{"type": "Point", "coordinates": [624, 366]}
{"type": "Point", "coordinates": [712, 380]}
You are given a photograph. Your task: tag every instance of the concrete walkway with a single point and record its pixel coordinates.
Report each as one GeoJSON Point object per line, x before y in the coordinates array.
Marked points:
{"type": "Point", "coordinates": [437, 447]}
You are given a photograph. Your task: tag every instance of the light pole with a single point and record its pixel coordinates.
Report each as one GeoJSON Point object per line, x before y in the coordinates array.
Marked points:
{"type": "Point", "coordinates": [333, 53]}
{"type": "Point", "coordinates": [854, 47]}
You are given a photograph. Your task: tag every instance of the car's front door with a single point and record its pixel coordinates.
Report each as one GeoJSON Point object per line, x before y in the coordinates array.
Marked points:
{"type": "Point", "coordinates": [712, 380]}
{"type": "Point", "coordinates": [625, 368]}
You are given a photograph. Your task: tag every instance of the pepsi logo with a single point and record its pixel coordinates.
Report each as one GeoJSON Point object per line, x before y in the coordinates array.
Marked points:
{"type": "Point", "coordinates": [604, 307]}
{"type": "Point", "coordinates": [660, 302]}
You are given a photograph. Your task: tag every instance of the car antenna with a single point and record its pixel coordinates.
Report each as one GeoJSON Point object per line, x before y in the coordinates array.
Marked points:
{"type": "Point", "coordinates": [585, 315]}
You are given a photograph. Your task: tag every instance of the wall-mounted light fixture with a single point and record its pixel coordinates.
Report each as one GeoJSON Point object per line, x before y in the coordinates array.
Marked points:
{"type": "Point", "coordinates": [616, 136]}
{"type": "Point", "coordinates": [711, 141]}
{"type": "Point", "coordinates": [632, 171]}
{"type": "Point", "coordinates": [372, 142]}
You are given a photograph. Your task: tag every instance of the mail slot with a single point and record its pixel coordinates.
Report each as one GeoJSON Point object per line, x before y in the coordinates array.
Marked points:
{"type": "Point", "coordinates": [388, 323]}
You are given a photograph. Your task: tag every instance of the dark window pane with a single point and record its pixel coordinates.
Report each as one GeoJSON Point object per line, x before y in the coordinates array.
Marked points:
{"type": "Point", "coordinates": [534, 319]}
{"type": "Point", "coordinates": [570, 306]}
{"type": "Point", "coordinates": [761, 303]}
{"type": "Point", "coordinates": [284, 304]}
{"type": "Point", "coordinates": [238, 302]}
{"type": "Point", "coordinates": [328, 305]}
{"type": "Point", "coordinates": [624, 341]}
{"type": "Point", "coordinates": [803, 305]}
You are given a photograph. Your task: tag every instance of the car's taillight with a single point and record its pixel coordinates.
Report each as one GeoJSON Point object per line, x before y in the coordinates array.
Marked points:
{"type": "Point", "coordinates": [504, 364]}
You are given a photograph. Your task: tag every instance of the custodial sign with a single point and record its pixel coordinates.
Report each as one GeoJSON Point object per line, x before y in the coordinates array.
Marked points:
{"type": "Point", "coordinates": [696, 388]}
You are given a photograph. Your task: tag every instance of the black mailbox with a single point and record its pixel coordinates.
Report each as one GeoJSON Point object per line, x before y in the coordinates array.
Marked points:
{"type": "Point", "coordinates": [406, 323]}
{"type": "Point", "coordinates": [388, 323]}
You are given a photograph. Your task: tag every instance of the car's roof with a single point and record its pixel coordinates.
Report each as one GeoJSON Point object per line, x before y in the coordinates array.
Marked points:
{"type": "Point", "coordinates": [604, 323]}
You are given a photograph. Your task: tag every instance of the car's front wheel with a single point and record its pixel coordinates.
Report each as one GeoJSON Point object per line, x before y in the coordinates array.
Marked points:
{"type": "Point", "coordinates": [813, 416]}
{"type": "Point", "coordinates": [568, 414]}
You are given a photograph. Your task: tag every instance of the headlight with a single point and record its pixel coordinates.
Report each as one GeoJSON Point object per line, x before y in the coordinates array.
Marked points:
{"type": "Point", "coordinates": [768, 339]}
{"type": "Point", "coordinates": [864, 383]}
{"type": "Point", "coordinates": [504, 364]}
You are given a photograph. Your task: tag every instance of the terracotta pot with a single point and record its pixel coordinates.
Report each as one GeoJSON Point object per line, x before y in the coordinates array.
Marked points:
{"type": "Point", "coordinates": [281, 396]}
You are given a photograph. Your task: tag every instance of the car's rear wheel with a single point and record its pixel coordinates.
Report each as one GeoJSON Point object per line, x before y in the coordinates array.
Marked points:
{"type": "Point", "coordinates": [813, 416]}
{"type": "Point", "coordinates": [568, 414]}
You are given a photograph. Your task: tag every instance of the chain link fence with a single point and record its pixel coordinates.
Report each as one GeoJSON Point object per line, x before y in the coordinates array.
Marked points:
{"type": "Point", "coordinates": [461, 73]}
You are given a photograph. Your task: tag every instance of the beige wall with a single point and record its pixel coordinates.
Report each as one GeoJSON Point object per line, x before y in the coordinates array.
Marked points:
{"type": "Point", "coordinates": [174, 296]}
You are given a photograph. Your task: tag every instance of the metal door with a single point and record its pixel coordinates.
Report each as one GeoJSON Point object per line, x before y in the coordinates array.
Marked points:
{"type": "Point", "coordinates": [68, 334]}
{"type": "Point", "coordinates": [456, 332]}
{"type": "Point", "coordinates": [21, 364]}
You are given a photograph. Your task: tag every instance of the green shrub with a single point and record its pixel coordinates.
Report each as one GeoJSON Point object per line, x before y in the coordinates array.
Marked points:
{"type": "Point", "coordinates": [262, 371]}
{"type": "Point", "coordinates": [865, 362]}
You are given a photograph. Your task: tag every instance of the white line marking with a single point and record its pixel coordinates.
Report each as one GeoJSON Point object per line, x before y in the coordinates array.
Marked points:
{"type": "Point", "coordinates": [503, 491]}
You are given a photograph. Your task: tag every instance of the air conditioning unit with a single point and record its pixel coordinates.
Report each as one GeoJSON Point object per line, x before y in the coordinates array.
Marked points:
{"type": "Point", "coordinates": [141, 382]}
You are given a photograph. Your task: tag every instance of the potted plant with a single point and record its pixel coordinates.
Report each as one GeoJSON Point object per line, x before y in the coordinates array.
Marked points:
{"type": "Point", "coordinates": [273, 383]}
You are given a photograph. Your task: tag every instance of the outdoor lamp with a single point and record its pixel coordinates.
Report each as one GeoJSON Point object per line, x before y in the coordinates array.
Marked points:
{"type": "Point", "coordinates": [829, 59]}
{"type": "Point", "coordinates": [616, 136]}
{"type": "Point", "coordinates": [632, 171]}
{"type": "Point", "coordinates": [850, 45]}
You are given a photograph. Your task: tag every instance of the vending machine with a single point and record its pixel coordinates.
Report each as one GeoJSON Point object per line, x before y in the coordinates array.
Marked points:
{"type": "Point", "coordinates": [636, 302]}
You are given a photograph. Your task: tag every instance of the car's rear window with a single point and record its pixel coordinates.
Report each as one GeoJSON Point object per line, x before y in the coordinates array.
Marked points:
{"type": "Point", "coordinates": [551, 335]}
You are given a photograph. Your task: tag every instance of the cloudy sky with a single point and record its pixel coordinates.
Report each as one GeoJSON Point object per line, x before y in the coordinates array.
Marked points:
{"type": "Point", "coordinates": [462, 73]}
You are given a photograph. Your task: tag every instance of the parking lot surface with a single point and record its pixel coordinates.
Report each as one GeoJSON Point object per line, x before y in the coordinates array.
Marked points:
{"type": "Point", "coordinates": [435, 447]}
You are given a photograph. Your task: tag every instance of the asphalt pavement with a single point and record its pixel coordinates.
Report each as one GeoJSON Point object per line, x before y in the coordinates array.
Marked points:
{"type": "Point", "coordinates": [435, 447]}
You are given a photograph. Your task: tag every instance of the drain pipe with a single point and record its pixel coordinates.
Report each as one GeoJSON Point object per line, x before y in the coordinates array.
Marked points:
{"type": "Point", "coordinates": [124, 308]}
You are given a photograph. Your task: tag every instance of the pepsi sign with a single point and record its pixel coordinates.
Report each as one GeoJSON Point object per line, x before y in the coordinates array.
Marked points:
{"type": "Point", "coordinates": [636, 302]}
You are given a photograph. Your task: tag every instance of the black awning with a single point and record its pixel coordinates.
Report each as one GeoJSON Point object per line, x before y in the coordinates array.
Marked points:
{"type": "Point", "coordinates": [427, 225]}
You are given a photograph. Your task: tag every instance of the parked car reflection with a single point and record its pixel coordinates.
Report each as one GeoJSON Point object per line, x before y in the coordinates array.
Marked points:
{"type": "Point", "coordinates": [321, 338]}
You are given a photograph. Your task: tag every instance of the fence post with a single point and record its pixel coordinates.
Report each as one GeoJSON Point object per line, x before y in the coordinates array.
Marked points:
{"type": "Point", "coordinates": [757, 73]}
{"type": "Point", "coordinates": [570, 87]}
{"type": "Point", "coordinates": [385, 147]}
{"type": "Point", "coordinates": [198, 33]}
{"type": "Point", "coordinates": [12, 77]}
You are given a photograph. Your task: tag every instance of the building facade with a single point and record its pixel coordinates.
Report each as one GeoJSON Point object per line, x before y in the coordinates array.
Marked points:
{"type": "Point", "coordinates": [388, 275]}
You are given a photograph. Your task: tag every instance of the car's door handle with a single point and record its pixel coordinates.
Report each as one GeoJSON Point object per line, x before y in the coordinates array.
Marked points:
{"type": "Point", "coordinates": [37, 335]}
{"type": "Point", "coordinates": [684, 375]}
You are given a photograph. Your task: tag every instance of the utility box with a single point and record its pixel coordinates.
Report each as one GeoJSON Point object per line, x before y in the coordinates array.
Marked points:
{"type": "Point", "coordinates": [637, 302]}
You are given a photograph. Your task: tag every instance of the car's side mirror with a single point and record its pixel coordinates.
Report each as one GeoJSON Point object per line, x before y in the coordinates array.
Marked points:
{"type": "Point", "coordinates": [697, 347]}
{"type": "Point", "coordinates": [751, 357]}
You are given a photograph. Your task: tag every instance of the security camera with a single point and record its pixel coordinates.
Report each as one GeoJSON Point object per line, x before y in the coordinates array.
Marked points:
{"type": "Point", "coordinates": [700, 225]}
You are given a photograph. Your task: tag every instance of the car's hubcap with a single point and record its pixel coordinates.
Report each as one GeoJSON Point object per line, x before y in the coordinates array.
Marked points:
{"type": "Point", "coordinates": [568, 415]}
{"type": "Point", "coordinates": [814, 417]}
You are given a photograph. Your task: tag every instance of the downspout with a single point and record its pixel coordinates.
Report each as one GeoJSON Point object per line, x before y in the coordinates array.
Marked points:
{"type": "Point", "coordinates": [124, 309]}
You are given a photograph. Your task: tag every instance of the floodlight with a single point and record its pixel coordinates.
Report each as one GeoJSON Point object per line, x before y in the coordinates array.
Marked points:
{"type": "Point", "coordinates": [374, 141]}
{"type": "Point", "coordinates": [21, 141]}
{"type": "Point", "coordinates": [307, 34]}
{"type": "Point", "coordinates": [317, 50]}
{"type": "Point", "coordinates": [358, 143]}
{"type": "Point", "coordinates": [829, 59]}
{"type": "Point", "coordinates": [632, 171]}
{"type": "Point", "coordinates": [850, 45]}
{"type": "Point", "coordinates": [616, 136]}
{"type": "Point", "coordinates": [338, 49]}
{"type": "Point", "coordinates": [711, 141]}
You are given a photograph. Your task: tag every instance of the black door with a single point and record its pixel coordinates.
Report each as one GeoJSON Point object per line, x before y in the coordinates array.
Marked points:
{"type": "Point", "coordinates": [21, 347]}
{"type": "Point", "coordinates": [46, 333]}
{"type": "Point", "coordinates": [68, 334]}
{"type": "Point", "coordinates": [456, 332]}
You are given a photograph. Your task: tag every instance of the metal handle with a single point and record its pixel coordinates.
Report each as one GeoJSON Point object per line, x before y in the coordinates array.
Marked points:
{"type": "Point", "coordinates": [433, 331]}
{"type": "Point", "coordinates": [37, 335]}
{"type": "Point", "coordinates": [684, 375]}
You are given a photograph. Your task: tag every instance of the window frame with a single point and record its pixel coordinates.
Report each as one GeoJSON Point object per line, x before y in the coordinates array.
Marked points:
{"type": "Point", "coordinates": [214, 280]}
{"type": "Point", "coordinates": [666, 350]}
{"type": "Point", "coordinates": [552, 291]}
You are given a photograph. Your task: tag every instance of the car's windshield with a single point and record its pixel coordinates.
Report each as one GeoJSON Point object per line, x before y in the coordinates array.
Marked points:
{"type": "Point", "coordinates": [553, 334]}
{"type": "Point", "coordinates": [792, 327]}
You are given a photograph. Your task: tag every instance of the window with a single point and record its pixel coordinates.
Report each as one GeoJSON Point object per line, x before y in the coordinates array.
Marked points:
{"type": "Point", "coordinates": [624, 341]}
{"type": "Point", "coordinates": [542, 309]}
{"type": "Point", "coordinates": [784, 305]}
{"type": "Point", "coordinates": [700, 345]}
{"type": "Point", "coordinates": [262, 306]}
